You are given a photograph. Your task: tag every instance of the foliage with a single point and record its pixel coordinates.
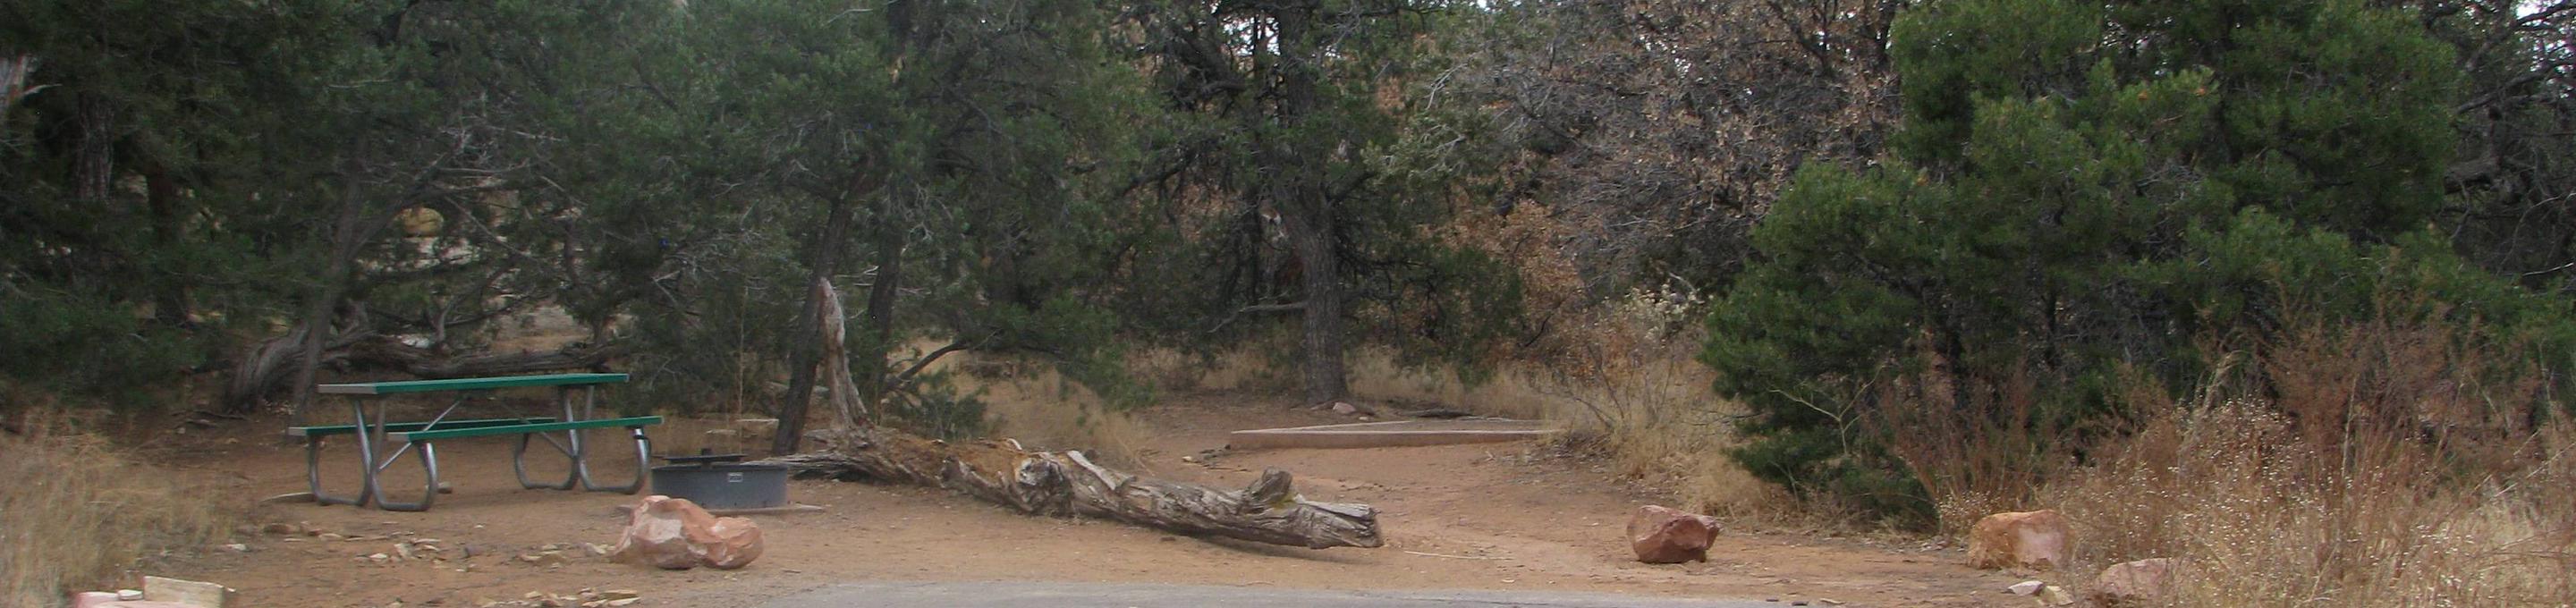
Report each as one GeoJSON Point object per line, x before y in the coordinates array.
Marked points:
{"type": "Point", "coordinates": [1311, 166]}
{"type": "Point", "coordinates": [2080, 191]}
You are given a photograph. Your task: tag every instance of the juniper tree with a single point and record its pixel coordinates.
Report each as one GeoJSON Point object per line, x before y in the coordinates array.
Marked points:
{"type": "Point", "coordinates": [2078, 191]}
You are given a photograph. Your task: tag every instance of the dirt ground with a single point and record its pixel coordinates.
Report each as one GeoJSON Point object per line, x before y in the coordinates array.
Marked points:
{"type": "Point", "coordinates": [1493, 516]}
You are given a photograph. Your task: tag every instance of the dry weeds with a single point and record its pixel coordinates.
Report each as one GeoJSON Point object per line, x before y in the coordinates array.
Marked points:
{"type": "Point", "coordinates": [76, 512]}
{"type": "Point", "coordinates": [2380, 473]}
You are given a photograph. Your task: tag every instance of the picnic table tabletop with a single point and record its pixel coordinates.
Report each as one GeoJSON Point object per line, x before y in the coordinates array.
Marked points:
{"type": "Point", "coordinates": [467, 384]}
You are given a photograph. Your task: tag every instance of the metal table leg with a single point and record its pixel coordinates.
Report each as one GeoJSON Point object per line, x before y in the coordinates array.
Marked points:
{"type": "Point", "coordinates": [428, 460]}
{"type": "Point", "coordinates": [366, 458]}
{"type": "Point", "coordinates": [571, 452]}
{"type": "Point", "coordinates": [643, 451]}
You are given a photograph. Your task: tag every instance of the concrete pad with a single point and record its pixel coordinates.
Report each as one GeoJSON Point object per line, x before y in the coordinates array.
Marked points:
{"type": "Point", "coordinates": [1390, 434]}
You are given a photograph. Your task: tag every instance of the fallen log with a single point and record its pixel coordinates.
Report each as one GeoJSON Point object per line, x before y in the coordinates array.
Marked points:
{"type": "Point", "coordinates": [1067, 483]}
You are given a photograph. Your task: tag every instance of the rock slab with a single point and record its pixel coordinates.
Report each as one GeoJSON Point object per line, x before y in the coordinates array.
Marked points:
{"type": "Point", "coordinates": [2034, 539]}
{"type": "Point", "coordinates": [676, 534]}
{"type": "Point", "coordinates": [1664, 535]}
{"type": "Point", "coordinates": [102, 599]}
{"type": "Point", "coordinates": [188, 593]}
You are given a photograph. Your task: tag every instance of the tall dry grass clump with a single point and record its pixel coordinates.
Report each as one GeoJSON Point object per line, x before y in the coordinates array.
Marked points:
{"type": "Point", "coordinates": [2378, 471]}
{"type": "Point", "coordinates": [1041, 409]}
{"type": "Point", "coordinates": [1627, 387]}
{"type": "Point", "coordinates": [76, 511]}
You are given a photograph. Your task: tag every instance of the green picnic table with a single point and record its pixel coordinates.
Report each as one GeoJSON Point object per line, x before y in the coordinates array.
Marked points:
{"type": "Point", "coordinates": [374, 433]}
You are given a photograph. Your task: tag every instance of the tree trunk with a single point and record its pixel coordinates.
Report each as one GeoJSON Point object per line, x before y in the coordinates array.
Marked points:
{"type": "Point", "coordinates": [825, 260]}
{"type": "Point", "coordinates": [1299, 192]}
{"type": "Point", "coordinates": [94, 149]}
{"type": "Point", "coordinates": [161, 199]}
{"type": "Point", "coordinates": [881, 295]}
{"type": "Point", "coordinates": [13, 81]}
{"type": "Point", "coordinates": [318, 312]}
{"type": "Point", "coordinates": [1324, 380]}
{"type": "Point", "coordinates": [1067, 483]}
{"type": "Point", "coordinates": [836, 360]}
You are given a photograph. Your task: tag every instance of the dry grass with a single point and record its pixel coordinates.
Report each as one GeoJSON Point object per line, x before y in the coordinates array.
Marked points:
{"type": "Point", "coordinates": [2269, 520]}
{"type": "Point", "coordinates": [1625, 387]}
{"type": "Point", "coordinates": [2378, 474]}
{"type": "Point", "coordinates": [1376, 376]}
{"type": "Point", "coordinates": [76, 512]}
{"type": "Point", "coordinates": [1043, 411]}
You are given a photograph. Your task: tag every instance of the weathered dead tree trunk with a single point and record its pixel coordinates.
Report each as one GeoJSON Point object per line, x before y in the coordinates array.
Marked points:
{"type": "Point", "coordinates": [836, 360]}
{"type": "Point", "coordinates": [1067, 483]}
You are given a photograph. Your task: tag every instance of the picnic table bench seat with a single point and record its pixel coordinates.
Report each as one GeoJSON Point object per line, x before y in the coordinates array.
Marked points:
{"type": "Point", "coordinates": [443, 432]}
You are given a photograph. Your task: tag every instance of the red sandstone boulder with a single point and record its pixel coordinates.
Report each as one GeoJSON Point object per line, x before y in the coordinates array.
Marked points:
{"type": "Point", "coordinates": [675, 534]}
{"type": "Point", "coordinates": [2034, 539]}
{"type": "Point", "coordinates": [1663, 535]}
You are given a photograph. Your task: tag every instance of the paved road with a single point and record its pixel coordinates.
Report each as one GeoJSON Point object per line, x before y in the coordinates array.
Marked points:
{"type": "Point", "coordinates": [1094, 595]}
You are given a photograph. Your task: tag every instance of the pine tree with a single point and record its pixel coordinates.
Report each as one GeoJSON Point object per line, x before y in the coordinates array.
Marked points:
{"type": "Point", "coordinates": [2078, 192]}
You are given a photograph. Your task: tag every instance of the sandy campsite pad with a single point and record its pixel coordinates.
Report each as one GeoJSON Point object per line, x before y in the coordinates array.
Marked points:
{"type": "Point", "coordinates": [1500, 516]}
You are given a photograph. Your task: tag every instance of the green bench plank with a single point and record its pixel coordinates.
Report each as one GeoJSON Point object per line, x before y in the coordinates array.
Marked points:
{"type": "Point", "coordinates": [468, 384]}
{"type": "Point", "coordinates": [517, 429]}
{"type": "Point", "coordinates": [400, 427]}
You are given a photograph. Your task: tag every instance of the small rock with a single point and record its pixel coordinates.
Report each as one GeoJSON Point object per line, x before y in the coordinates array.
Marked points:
{"type": "Point", "coordinates": [379, 558]}
{"type": "Point", "coordinates": [237, 548]}
{"type": "Point", "coordinates": [2025, 587]}
{"type": "Point", "coordinates": [2138, 582]}
{"type": "Point", "coordinates": [1663, 535]}
{"type": "Point", "coordinates": [1344, 408]}
{"type": "Point", "coordinates": [2055, 596]}
{"type": "Point", "coordinates": [595, 548]}
{"type": "Point", "coordinates": [129, 595]}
